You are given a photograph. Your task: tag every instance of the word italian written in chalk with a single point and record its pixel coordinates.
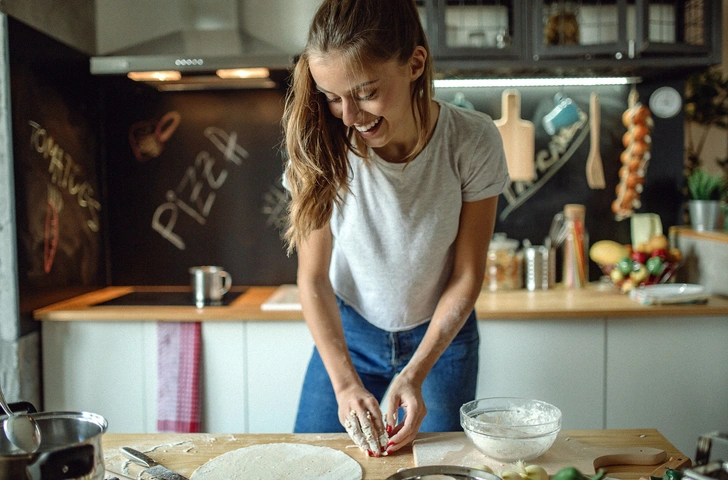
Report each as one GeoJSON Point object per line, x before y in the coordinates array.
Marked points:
{"type": "Point", "coordinates": [65, 173]}
{"type": "Point", "coordinates": [195, 194]}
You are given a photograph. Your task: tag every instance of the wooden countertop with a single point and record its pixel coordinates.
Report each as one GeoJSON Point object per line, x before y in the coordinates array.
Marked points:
{"type": "Point", "coordinates": [184, 453]}
{"type": "Point", "coordinates": [597, 301]}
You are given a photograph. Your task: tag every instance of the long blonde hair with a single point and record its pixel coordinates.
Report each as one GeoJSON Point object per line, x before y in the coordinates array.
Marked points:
{"type": "Point", "coordinates": [316, 142]}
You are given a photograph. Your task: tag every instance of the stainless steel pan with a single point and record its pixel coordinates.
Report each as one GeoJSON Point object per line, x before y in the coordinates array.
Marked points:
{"type": "Point", "coordinates": [70, 448]}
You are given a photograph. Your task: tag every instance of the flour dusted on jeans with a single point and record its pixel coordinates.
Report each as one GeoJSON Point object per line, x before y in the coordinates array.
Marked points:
{"type": "Point", "coordinates": [394, 231]}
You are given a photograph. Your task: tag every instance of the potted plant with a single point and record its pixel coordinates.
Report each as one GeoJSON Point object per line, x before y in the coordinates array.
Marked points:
{"type": "Point", "coordinates": [706, 193]}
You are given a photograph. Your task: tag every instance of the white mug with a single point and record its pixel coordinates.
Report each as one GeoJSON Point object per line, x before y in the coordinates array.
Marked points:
{"type": "Point", "coordinates": [209, 284]}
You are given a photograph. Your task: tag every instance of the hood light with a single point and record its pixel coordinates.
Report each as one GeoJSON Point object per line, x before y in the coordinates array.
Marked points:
{"type": "Point", "coordinates": [160, 76]}
{"type": "Point", "coordinates": [244, 73]}
{"type": "Point", "coordinates": [535, 82]}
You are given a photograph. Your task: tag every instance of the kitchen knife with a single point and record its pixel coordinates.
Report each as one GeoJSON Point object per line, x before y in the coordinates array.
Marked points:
{"type": "Point", "coordinates": [153, 467]}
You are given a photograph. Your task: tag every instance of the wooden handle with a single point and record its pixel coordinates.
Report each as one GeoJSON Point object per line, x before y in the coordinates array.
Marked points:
{"type": "Point", "coordinates": [595, 120]}
{"type": "Point", "coordinates": [673, 464]}
{"type": "Point", "coordinates": [510, 105]}
{"type": "Point", "coordinates": [630, 456]}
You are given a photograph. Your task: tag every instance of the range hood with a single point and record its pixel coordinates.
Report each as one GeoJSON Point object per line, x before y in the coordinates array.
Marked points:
{"type": "Point", "coordinates": [206, 37]}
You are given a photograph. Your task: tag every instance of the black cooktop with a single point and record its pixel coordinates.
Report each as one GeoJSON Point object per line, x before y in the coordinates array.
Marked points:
{"type": "Point", "coordinates": [165, 299]}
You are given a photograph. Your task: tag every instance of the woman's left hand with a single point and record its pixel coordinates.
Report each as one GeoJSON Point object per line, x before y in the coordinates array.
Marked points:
{"type": "Point", "coordinates": [405, 394]}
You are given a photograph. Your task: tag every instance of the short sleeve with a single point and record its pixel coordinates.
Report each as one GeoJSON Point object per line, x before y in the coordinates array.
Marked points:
{"type": "Point", "coordinates": [485, 171]}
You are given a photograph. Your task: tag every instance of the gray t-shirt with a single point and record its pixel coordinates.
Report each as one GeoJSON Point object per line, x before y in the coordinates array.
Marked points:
{"type": "Point", "coordinates": [394, 232]}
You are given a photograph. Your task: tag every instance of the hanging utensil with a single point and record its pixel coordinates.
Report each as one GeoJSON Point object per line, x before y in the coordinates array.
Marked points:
{"type": "Point", "coordinates": [594, 167]}
{"type": "Point", "coordinates": [519, 138]}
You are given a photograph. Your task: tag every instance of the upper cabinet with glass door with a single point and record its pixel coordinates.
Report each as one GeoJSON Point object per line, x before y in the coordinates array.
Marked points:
{"type": "Point", "coordinates": [476, 28]}
{"type": "Point", "coordinates": [647, 32]}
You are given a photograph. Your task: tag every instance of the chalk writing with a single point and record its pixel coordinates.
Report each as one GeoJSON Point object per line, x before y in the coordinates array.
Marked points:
{"type": "Point", "coordinates": [195, 194]}
{"type": "Point", "coordinates": [561, 148]}
{"type": "Point", "coordinates": [66, 173]}
{"type": "Point", "coordinates": [275, 205]}
{"type": "Point", "coordinates": [50, 237]}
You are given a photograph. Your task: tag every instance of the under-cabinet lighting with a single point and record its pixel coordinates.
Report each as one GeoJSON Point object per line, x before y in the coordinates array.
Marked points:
{"type": "Point", "coordinates": [535, 82]}
{"type": "Point", "coordinates": [244, 73]}
{"type": "Point", "coordinates": [158, 76]}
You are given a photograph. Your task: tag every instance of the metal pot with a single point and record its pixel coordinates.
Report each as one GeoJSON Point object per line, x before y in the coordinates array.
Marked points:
{"type": "Point", "coordinates": [70, 449]}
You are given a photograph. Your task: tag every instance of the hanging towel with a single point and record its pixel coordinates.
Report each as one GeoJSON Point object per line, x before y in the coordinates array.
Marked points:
{"type": "Point", "coordinates": [178, 372]}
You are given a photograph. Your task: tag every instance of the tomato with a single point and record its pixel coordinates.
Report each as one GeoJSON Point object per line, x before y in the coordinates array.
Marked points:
{"type": "Point", "coordinates": [639, 257]}
{"type": "Point", "coordinates": [659, 253]}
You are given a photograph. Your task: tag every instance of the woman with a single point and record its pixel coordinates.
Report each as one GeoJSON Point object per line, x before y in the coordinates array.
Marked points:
{"type": "Point", "coordinates": [393, 201]}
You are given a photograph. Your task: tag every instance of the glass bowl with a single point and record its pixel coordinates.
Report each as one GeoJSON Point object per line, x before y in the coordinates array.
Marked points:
{"type": "Point", "coordinates": [509, 429]}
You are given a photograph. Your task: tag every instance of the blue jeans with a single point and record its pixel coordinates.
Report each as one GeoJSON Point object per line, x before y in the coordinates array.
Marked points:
{"type": "Point", "coordinates": [378, 356]}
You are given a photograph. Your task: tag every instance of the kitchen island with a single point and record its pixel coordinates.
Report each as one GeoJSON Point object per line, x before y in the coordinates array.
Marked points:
{"type": "Point", "coordinates": [184, 453]}
{"type": "Point", "coordinates": [604, 360]}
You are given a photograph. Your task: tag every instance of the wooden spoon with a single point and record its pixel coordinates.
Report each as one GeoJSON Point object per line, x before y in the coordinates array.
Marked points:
{"type": "Point", "coordinates": [594, 167]}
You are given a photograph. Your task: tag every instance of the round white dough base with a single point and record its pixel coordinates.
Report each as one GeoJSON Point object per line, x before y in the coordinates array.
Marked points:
{"type": "Point", "coordinates": [277, 461]}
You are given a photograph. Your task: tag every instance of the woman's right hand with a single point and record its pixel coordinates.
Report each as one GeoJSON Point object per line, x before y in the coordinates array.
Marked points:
{"type": "Point", "coordinates": [360, 414]}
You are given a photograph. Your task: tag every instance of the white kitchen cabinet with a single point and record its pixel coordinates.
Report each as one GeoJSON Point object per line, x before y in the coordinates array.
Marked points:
{"type": "Point", "coordinates": [223, 389]}
{"type": "Point", "coordinates": [670, 374]}
{"type": "Point", "coordinates": [251, 373]}
{"type": "Point", "coordinates": [278, 355]}
{"type": "Point", "coordinates": [557, 361]}
{"type": "Point", "coordinates": [107, 368]}
{"type": "Point", "coordinates": [655, 372]}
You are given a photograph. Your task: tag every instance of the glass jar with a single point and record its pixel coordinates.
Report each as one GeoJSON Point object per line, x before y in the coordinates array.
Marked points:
{"type": "Point", "coordinates": [504, 265]}
{"type": "Point", "coordinates": [575, 247]}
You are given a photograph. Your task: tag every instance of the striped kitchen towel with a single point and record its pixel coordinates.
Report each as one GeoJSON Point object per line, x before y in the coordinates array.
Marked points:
{"type": "Point", "coordinates": [178, 374]}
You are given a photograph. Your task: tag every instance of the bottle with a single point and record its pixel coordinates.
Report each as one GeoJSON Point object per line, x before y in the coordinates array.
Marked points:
{"type": "Point", "coordinates": [575, 247]}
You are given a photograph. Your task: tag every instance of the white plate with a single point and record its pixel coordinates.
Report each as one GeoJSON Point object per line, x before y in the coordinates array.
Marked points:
{"type": "Point", "coordinates": [669, 294]}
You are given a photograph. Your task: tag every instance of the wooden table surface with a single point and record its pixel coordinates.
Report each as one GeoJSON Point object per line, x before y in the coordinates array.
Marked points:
{"type": "Point", "coordinates": [184, 453]}
{"type": "Point", "coordinates": [597, 301]}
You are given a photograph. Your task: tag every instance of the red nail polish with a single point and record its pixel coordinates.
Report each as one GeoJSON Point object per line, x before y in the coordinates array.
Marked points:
{"type": "Point", "coordinates": [369, 453]}
{"type": "Point", "coordinates": [389, 452]}
{"type": "Point", "coordinates": [389, 429]}
{"type": "Point", "coordinates": [390, 444]}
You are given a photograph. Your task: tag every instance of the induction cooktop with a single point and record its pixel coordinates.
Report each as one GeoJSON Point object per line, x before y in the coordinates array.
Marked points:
{"type": "Point", "coordinates": [143, 298]}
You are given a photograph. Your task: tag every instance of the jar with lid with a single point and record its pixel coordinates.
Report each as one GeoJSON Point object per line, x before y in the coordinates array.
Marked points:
{"type": "Point", "coordinates": [503, 267]}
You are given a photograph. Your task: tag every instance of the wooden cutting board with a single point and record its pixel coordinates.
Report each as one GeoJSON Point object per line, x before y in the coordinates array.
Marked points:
{"type": "Point", "coordinates": [454, 448]}
{"type": "Point", "coordinates": [519, 137]}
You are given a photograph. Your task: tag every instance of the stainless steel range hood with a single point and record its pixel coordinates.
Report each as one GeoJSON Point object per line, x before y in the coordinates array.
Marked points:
{"type": "Point", "coordinates": [206, 37]}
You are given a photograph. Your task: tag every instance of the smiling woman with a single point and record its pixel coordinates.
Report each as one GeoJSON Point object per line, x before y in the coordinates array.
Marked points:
{"type": "Point", "coordinates": [393, 199]}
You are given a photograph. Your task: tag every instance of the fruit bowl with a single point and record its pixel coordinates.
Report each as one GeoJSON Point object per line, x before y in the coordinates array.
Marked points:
{"type": "Point", "coordinates": [630, 273]}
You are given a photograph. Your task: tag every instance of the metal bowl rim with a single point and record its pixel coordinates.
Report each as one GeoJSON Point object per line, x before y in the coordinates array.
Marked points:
{"type": "Point", "coordinates": [416, 472]}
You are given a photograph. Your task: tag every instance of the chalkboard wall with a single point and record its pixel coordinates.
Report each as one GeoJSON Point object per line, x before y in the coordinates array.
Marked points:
{"type": "Point", "coordinates": [118, 183]}
{"type": "Point", "coordinates": [194, 179]}
{"type": "Point", "coordinates": [210, 192]}
{"type": "Point", "coordinates": [59, 206]}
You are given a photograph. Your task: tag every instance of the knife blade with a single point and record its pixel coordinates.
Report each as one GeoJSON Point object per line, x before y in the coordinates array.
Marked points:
{"type": "Point", "coordinates": [154, 468]}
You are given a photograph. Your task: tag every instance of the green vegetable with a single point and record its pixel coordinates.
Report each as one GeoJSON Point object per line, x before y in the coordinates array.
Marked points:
{"type": "Point", "coordinates": [571, 473]}
{"type": "Point", "coordinates": [671, 474]}
{"type": "Point", "coordinates": [655, 265]}
{"type": "Point", "coordinates": [625, 265]}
